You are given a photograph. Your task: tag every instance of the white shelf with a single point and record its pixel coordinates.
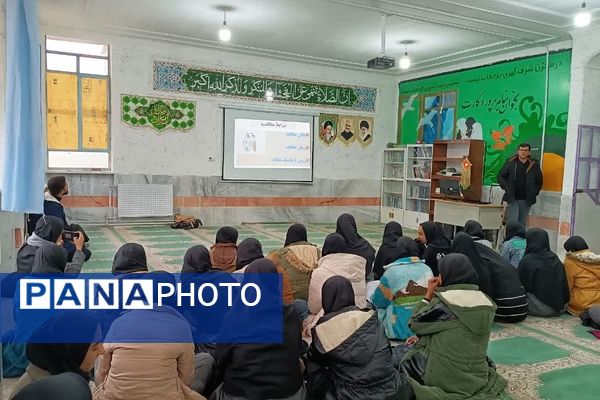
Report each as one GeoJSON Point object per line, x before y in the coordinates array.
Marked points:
{"type": "Point", "coordinates": [394, 179]}
{"type": "Point", "coordinates": [393, 162]}
{"type": "Point", "coordinates": [419, 158]}
{"type": "Point", "coordinates": [418, 180]}
{"type": "Point", "coordinates": [418, 198]}
{"type": "Point", "coordinates": [392, 192]}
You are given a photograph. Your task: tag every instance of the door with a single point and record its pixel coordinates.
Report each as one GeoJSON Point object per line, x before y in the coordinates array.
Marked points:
{"type": "Point", "coordinates": [586, 202]}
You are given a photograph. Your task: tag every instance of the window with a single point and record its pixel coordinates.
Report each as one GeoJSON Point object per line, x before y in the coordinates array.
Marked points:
{"type": "Point", "coordinates": [77, 101]}
{"type": "Point", "coordinates": [438, 117]}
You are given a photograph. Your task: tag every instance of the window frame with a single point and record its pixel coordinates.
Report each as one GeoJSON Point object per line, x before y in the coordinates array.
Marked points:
{"type": "Point", "coordinates": [80, 76]}
{"type": "Point", "coordinates": [440, 107]}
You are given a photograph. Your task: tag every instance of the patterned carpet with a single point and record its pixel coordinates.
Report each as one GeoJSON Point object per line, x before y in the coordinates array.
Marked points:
{"type": "Point", "coordinates": [551, 359]}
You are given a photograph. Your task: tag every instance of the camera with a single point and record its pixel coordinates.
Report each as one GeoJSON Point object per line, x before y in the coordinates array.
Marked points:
{"type": "Point", "coordinates": [69, 235]}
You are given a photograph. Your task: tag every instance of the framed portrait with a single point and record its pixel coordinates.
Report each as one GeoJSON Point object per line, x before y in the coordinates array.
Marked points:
{"type": "Point", "coordinates": [364, 134]}
{"type": "Point", "coordinates": [347, 129]}
{"type": "Point", "coordinates": [328, 128]}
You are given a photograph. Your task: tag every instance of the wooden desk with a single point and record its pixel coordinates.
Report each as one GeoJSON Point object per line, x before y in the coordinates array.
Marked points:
{"type": "Point", "coordinates": [457, 213]}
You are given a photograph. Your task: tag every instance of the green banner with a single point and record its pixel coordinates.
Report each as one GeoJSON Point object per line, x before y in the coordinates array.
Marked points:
{"type": "Point", "coordinates": [502, 104]}
{"type": "Point", "coordinates": [156, 113]}
{"type": "Point", "coordinates": [182, 78]}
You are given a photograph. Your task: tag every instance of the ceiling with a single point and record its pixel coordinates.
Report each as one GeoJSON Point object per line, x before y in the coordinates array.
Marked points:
{"type": "Point", "coordinates": [345, 33]}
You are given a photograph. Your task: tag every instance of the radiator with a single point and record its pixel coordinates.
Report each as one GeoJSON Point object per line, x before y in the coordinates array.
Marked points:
{"type": "Point", "coordinates": [145, 200]}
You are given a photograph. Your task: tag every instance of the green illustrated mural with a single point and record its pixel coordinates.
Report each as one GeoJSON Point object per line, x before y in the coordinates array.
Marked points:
{"type": "Point", "coordinates": [502, 104]}
{"type": "Point", "coordinates": [159, 114]}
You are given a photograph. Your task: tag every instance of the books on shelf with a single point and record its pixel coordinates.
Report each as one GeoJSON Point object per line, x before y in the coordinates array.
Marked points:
{"type": "Point", "coordinates": [422, 169]}
{"type": "Point", "coordinates": [420, 191]}
{"type": "Point", "coordinates": [394, 156]}
{"type": "Point", "coordinates": [394, 201]}
{"type": "Point", "coordinates": [422, 151]}
{"type": "Point", "coordinates": [417, 205]}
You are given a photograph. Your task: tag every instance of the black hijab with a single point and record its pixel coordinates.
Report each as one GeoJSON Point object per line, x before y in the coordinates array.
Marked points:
{"type": "Point", "coordinates": [356, 244]}
{"type": "Point", "coordinates": [457, 269]}
{"type": "Point", "coordinates": [463, 244]}
{"type": "Point", "coordinates": [196, 259]}
{"type": "Point", "coordinates": [296, 233]}
{"type": "Point", "coordinates": [391, 233]}
{"type": "Point", "coordinates": [57, 358]}
{"type": "Point", "coordinates": [514, 228]}
{"type": "Point", "coordinates": [227, 234]}
{"type": "Point", "coordinates": [473, 229]}
{"type": "Point", "coordinates": [576, 243]}
{"type": "Point", "coordinates": [49, 228]}
{"type": "Point", "coordinates": [50, 259]}
{"type": "Point", "coordinates": [248, 250]}
{"type": "Point", "coordinates": [405, 247]}
{"type": "Point", "coordinates": [541, 272]}
{"type": "Point", "coordinates": [438, 245]}
{"type": "Point", "coordinates": [337, 294]}
{"type": "Point", "coordinates": [334, 243]}
{"type": "Point", "coordinates": [131, 257]}
{"type": "Point", "coordinates": [67, 386]}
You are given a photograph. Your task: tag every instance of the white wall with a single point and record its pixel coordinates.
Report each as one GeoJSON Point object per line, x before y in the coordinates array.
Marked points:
{"type": "Point", "coordinates": [591, 95]}
{"type": "Point", "coordinates": [2, 84]}
{"type": "Point", "coordinates": [142, 151]}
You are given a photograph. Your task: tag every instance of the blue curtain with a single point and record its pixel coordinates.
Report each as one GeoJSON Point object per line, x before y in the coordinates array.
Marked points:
{"type": "Point", "coordinates": [23, 180]}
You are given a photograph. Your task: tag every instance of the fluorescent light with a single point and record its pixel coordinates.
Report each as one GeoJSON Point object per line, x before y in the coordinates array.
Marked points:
{"type": "Point", "coordinates": [583, 17]}
{"type": "Point", "coordinates": [405, 61]}
{"type": "Point", "coordinates": [224, 34]}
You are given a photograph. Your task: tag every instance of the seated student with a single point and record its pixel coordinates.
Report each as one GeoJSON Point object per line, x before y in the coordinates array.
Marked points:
{"type": "Point", "coordinates": [57, 358]}
{"type": "Point", "coordinates": [67, 386]}
{"type": "Point", "coordinates": [337, 261]}
{"type": "Point", "coordinates": [355, 244]}
{"type": "Point", "coordinates": [161, 365]}
{"type": "Point", "coordinates": [260, 371]}
{"type": "Point", "coordinates": [57, 188]}
{"type": "Point", "coordinates": [475, 230]}
{"type": "Point", "coordinates": [453, 325]}
{"type": "Point", "coordinates": [48, 230]}
{"type": "Point", "coordinates": [350, 357]}
{"type": "Point", "coordinates": [387, 250]}
{"type": "Point", "coordinates": [402, 286]}
{"type": "Point", "coordinates": [582, 267]}
{"type": "Point", "coordinates": [130, 258]}
{"type": "Point", "coordinates": [197, 267]}
{"type": "Point", "coordinates": [514, 244]}
{"type": "Point", "coordinates": [224, 252]}
{"type": "Point", "coordinates": [501, 279]}
{"type": "Point", "coordinates": [591, 317]}
{"type": "Point", "coordinates": [298, 259]}
{"type": "Point", "coordinates": [250, 250]}
{"type": "Point", "coordinates": [49, 259]}
{"type": "Point", "coordinates": [438, 245]}
{"type": "Point", "coordinates": [543, 276]}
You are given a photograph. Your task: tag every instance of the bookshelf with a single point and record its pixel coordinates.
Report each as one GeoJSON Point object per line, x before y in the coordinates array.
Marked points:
{"type": "Point", "coordinates": [451, 153]}
{"type": "Point", "coordinates": [418, 182]}
{"type": "Point", "coordinates": [392, 185]}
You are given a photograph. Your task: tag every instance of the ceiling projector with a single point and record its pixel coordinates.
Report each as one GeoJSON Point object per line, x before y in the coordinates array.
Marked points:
{"type": "Point", "coordinates": [382, 62]}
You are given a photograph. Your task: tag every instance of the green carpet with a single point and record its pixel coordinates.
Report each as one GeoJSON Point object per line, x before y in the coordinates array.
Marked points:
{"type": "Point", "coordinates": [541, 358]}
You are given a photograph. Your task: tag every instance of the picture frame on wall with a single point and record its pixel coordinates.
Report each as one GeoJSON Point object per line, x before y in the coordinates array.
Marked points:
{"type": "Point", "coordinates": [328, 124]}
{"type": "Point", "coordinates": [365, 131]}
{"type": "Point", "coordinates": [347, 129]}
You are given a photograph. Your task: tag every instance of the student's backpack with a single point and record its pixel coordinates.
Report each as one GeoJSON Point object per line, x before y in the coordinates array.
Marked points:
{"type": "Point", "coordinates": [186, 222]}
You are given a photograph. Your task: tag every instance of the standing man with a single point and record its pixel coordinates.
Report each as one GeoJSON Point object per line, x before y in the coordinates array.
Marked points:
{"type": "Point", "coordinates": [57, 188]}
{"type": "Point", "coordinates": [521, 178]}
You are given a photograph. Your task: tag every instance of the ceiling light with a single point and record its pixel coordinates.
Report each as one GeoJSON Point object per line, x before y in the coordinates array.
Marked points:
{"type": "Point", "coordinates": [269, 95]}
{"type": "Point", "coordinates": [583, 17]}
{"type": "Point", "coordinates": [224, 32]}
{"type": "Point", "coordinates": [405, 61]}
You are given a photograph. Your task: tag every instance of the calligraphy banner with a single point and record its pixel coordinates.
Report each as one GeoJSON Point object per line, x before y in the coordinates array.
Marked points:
{"type": "Point", "coordinates": [502, 103]}
{"type": "Point", "coordinates": [172, 77]}
{"type": "Point", "coordinates": [157, 113]}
